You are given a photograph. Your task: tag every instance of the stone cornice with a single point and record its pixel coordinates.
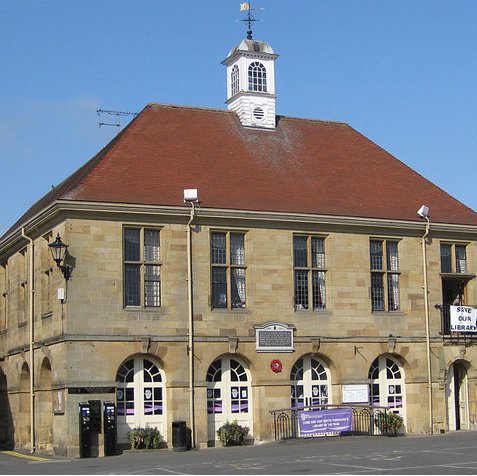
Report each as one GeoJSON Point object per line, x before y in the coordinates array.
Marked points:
{"type": "Point", "coordinates": [362, 339]}
{"type": "Point", "coordinates": [61, 210]}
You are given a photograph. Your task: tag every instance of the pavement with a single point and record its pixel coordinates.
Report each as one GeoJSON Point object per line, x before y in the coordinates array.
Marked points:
{"type": "Point", "coordinates": [450, 453]}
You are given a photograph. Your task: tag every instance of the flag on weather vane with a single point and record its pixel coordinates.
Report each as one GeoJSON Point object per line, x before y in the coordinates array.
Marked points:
{"type": "Point", "coordinates": [244, 6]}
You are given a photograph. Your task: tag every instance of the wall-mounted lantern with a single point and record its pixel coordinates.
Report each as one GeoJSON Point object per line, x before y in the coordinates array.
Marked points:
{"type": "Point", "coordinates": [58, 252]}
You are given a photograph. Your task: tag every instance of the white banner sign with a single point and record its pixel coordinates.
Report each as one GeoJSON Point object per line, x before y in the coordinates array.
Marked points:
{"type": "Point", "coordinates": [355, 394]}
{"type": "Point", "coordinates": [463, 319]}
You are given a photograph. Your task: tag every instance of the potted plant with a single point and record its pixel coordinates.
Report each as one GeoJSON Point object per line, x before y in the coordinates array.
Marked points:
{"type": "Point", "coordinates": [232, 434]}
{"type": "Point", "coordinates": [145, 438]}
{"type": "Point", "coordinates": [391, 423]}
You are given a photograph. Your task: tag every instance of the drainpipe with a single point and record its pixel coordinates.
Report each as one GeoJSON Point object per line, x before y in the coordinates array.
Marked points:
{"type": "Point", "coordinates": [32, 360]}
{"type": "Point", "coordinates": [190, 348]}
{"type": "Point", "coordinates": [428, 343]}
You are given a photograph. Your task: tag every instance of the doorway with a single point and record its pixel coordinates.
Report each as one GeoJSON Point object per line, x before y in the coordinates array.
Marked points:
{"type": "Point", "coordinates": [140, 396]}
{"type": "Point", "coordinates": [387, 385]}
{"type": "Point", "coordinates": [457, 397]}
{"type": "Point", "coordinates": [228, 395]}
{"type": "Point", "coordinates": [310, 383]}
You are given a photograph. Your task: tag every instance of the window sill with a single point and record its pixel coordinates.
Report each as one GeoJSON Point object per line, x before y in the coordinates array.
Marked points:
{"type": "Point", "coordinates": [318, 312]}
{"type": "Point", "coordinates": [159, 309]}
{"type": "Point", "coordinates": [388, 313]}
{"type": "Point", "coordinates": [221, 310]}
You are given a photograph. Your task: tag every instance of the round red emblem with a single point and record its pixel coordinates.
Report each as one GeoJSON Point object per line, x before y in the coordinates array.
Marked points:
{"type": "Point", "coordinates": [276, 365]}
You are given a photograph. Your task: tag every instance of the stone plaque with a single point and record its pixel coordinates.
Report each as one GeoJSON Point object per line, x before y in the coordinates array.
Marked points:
{"type": "Point", "coordinates": [274, 337]}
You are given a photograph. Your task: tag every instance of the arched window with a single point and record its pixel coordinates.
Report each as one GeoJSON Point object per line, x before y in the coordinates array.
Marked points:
{"type": "Point", "coordinates": [310, 383]}
{"type": "Point", "coordinates": [235, 80]}
{"type": "Point", "coordinates": [257, 77]}
{"type": "Point", "coordinates": [387, 388]}
{"type": "Point", "coordinates": [228, 394]}
{"type": "Point", "coordinates": [140, 396]}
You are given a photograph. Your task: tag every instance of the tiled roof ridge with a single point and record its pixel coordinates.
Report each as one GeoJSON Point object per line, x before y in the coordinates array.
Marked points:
{"type": "Point", "coordinates": [312, 120]}
{"type": "Point", "coordinates": [229, 111]}
{"type": "Point", "coordinates": [186, 107]}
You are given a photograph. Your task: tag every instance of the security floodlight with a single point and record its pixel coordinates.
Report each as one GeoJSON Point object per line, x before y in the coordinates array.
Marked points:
{"type": "Point", "coordinates": [423, 212]}
{"type": "Point", "coordinates": [191, 195]}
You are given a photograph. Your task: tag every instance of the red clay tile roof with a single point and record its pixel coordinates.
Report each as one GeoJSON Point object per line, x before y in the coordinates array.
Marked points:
{"type": "Point", "coordinates": [304, 166]}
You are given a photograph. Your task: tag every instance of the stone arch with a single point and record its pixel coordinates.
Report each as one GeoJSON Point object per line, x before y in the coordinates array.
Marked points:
{"type": "Point", "coordinates": [458, 359]}
{"type": "Point", "coordinates": [6, 420]}
{"type": "Point", "coordinates": [24, 411]}
{"type": "Point", "coordinates": [44, 406]}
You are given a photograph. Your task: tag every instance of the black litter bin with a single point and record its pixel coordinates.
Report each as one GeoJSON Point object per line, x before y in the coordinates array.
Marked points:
{"type": "Point", "coordinates": [179, 436]}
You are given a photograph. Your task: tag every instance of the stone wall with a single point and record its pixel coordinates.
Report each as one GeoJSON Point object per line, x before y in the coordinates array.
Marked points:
{"type": "Point", "coordinates": [82, 341]}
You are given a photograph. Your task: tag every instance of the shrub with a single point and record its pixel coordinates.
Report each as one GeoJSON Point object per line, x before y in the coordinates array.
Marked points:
{"type": "Point", "coordinates": [232, 434]}
{"type": "Point", "coordinates": [391, 423]}
{"type": "Point", "coordinates": [144, 438]}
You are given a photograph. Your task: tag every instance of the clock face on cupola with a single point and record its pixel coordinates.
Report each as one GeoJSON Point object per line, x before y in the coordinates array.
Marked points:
{"type": "Point", "coordinates": [251, 79]}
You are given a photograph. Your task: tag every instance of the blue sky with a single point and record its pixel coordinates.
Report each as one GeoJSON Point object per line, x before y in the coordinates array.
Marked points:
{"type": "Point", "coordinates": [403, 73]}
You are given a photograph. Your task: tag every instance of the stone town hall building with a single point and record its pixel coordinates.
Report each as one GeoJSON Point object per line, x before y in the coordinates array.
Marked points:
{"type": "Point", "coordinates": [302, 226]}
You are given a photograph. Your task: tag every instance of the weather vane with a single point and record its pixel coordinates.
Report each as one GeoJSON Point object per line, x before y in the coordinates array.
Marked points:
{"type": "Point", "coordinates": [247, 6]}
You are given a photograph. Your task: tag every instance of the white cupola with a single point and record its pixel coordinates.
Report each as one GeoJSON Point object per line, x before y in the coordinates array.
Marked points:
{"type": "Point", "coordinates": [251, 83]}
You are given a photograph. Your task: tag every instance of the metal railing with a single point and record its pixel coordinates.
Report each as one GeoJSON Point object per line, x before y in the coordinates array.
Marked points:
{"type": "Point", "coordinates": [446, 332]}
{"type": "Point", "coordinates": [366, 420]}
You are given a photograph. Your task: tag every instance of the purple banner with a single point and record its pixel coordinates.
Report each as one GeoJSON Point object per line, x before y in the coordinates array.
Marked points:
{"type": "Point", "coordinates": [333, 420]}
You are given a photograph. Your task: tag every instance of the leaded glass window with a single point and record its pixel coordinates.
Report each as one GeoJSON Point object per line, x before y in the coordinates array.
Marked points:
{"type": "Point", "coordinates": [453, 258]}
{"type": "Point", "coordinates": [228, 270]}
{"type": "Point", "coordinates": [142, 267]}
{"type": "Point", "coordinates": [460, 259]}
{"type": "Point", "coordinates": [446, 258]}
{"type": "Point", "coordinates": [309, 272]}
{"type": "Point", "coordinates": [4, 293]}
{"type": "Point", "coordinates": [384, 264]}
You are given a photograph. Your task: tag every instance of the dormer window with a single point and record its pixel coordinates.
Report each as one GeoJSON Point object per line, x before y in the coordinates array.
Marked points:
{"type": "Point", "coordinates": [235, 81]}
{"type": "Point", "coordinates": [257, 77]}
